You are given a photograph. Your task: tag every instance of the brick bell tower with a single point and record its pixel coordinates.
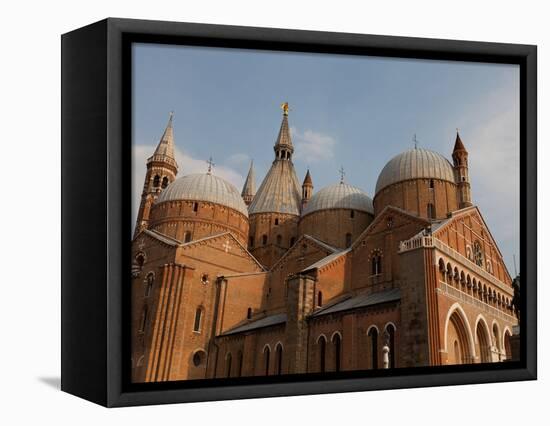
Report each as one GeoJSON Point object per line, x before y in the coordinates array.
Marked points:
{"type": "Point", "coordinates": [161, 171]}
{"type": "Point", "coordinates": [460, 163]}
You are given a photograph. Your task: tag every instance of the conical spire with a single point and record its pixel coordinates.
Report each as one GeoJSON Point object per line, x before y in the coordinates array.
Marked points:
{"type": "Point", "coordinates": [166, 144]}
{"type": "Point", "coordinates": [280, 189]}
{"type": "Point", "coordinates": [307, 179]}
{"type": "Point", "coordinates": [283, 146]}
{"type": "Point", "coordinates": [459, 146]}
{"type": "Point", "coordinates": [307, 189]}
{"type": "Point", "coordinates": [249, 187]}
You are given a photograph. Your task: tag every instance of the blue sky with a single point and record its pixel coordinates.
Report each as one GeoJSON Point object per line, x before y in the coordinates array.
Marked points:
{"type": "Point", "coordinates": [345, 110]}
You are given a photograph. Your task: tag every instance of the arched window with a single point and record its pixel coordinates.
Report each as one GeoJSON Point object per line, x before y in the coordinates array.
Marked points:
{"type": "Point", "coordinates": [279, 240]}
{"type": "Point", "coordinates": [149, 282]}
{"type": "Point", "coordinates": [322, 342]}
{"type": "Point", "coordinates": [352, 213]}
{"type": "Point", "coordinates": [442, 269]}
{"type": "Point", "coordinates": [140, 260]}
{"type": "Point", "coordinates": [376, 263]}
{"type": "Point", "coordinates": [143, 322]}
{"type": "Point", "coordinates": [431, 184]}
{"type": "Point", "coordinates": [279, 359]}
{"type": "Point", "coordinates": [195, 207]}
{"type": "Point", "coordinates": [348, 239]}
{"type": "Point", "coordinates": [267, 353]}
{"type": "Point", "coordinates": [391, 337]}
{"type": "Point", "coordinates": [251, 242]}
{"type": "Point", "coordinates": [431, 211]}
{"type": "Point", "coordinates": [449, 274]}
{"type": "Point", "coordinates": [478, 254]}
{"type": "Point", "coordinates": [373, 334]}
{"type": "Point", "coordinates": [292, 241]}
{"type": "Point", "coordinates": [320, 299]}
{"type": "Point", "coordinates": [264, 239]}
{"type": "Point", "coordinates": [198, 320]}
{"type": "Point", "coordinates": [228, 365]}
{"type": "Point", "coordinates": [164, 182]}
{"type": "Point", "coordinates": [276, 221]}
{"type": "Point", "coordinates": [249, 313]}
{"type": "Point", "coordinates": [156, 181]}
{"type": "Point", "coordinates": [187, 236]}
{"type": "Point", "coordinates": [337, 342]}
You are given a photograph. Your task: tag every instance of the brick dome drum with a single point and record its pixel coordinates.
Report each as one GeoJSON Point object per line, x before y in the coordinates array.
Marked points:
{"type": "Point", "coordinates": [204, 187]}
{"type": "Point", "coordinates": [339, 196]}
{"type": "Point", "coordinates": [416, 163]}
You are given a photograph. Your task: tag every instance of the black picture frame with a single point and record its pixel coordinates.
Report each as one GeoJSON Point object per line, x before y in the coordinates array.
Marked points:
{"type": "Point", "coordinates": [96, 227]}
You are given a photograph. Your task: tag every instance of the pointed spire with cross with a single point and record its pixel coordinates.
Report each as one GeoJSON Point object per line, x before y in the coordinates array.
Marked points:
{"type": "Point", "coordinates": [210, 163]}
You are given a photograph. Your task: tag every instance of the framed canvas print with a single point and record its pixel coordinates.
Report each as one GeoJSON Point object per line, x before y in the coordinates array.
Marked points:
{"type": "Point", "coordinates": [252, 212]}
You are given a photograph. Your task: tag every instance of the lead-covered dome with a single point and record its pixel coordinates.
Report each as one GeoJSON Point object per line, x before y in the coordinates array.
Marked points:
{"type": "Point", "coordinates": [204, 187]}
{"type": "Point", "coordinates": [416, 163]}
{"type": "Point", "coordinates": [339, 196]}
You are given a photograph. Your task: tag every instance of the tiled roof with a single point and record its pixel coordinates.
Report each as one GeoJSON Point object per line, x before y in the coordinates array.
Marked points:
{"type": "Point", "coordinates": [326, 260]}
{"type": "Point", "coordinates": [204, 187]}
{"type": "Point", "coordinates": [267, 321]}
{"type": "Point", "coordinates": [416, 163]}
{"type": "Point", "coordinates": [360, 301]}
{"type": "Point", "coordinates": [339, 196]}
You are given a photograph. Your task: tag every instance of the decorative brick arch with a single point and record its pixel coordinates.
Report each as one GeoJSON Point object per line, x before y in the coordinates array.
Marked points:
{"type": "Point", "coordinates": [319, 338]}
{"type": "Point", "coordinates": [372, 326]}
{"type": "Point", "coordinates": [389, 323]}
{"type": "Point", "coordinates": [334, 334]}
{"type": "Point", "coordinates": [481, 318]}
{"type": "Point", "coordinates": [483, 339]}
{"type": "Point", "coordinates": [457, 313]}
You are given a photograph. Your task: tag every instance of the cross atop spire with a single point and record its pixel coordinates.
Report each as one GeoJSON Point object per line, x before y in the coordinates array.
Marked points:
{"type": "Point", "coordinates": [415, 141]}
{"type": "Point", "coordinates": [210, 163]}
{"type": "Point", "coordinates": [342, 174]}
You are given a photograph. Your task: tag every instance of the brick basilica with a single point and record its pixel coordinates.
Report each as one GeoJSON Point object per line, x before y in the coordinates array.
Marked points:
{"type": "Point", "coordinates": [287, 280]}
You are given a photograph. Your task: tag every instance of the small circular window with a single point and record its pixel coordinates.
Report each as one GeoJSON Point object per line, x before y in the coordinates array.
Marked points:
{"type": "Point", "coordinates": [198, 358]}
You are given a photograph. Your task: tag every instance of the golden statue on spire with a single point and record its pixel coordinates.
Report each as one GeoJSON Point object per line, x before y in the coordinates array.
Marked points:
{"type": "Point", "coordinates": [285, 108]}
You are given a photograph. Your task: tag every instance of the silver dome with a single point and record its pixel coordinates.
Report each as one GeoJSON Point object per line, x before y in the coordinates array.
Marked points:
{"type": "Point", "coordinates": [339, 196]}
{"type": "Point", "coordinates": [204, 187]}
{"type": "Point", "coordinates": [416, 163]}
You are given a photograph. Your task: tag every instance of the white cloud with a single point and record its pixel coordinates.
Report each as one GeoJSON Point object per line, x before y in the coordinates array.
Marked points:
{"type": "Point", "coordinates": [312, 146]}
{"type": "Point", "coordinates": [187, 165]}
{"type": "Point", "coordinates": [238, 161]}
